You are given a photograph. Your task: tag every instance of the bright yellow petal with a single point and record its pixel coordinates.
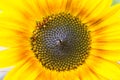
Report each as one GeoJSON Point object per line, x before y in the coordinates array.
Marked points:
{"type": "Point", "coordinates": [70, 75]}
{"type": "Point", "coordinates": [27, 67]}
{"type": "Point", "coordinates": [105, 68]}
{"type": "Point", "coordinates": [107, 45]}
{"type": "Point", "coordinates": [85, 73]}
{"type": "Point", "coordinates": [12, 38]}
{"type": "Point", "coordinates": [111, 18]}
{"type": "Point", "coordinates": [90, 10]}
{"type": "Point", "coordinates": [107, 37]}
{"type": "Point", "coordinates": [55, 6]}
{"type": "Point", "coordinates": [112, 55]}
{"type": "Point", "coordinates": [22, 16]}
{"type": "Point", "coordinates": [11, 56]}
{"type": "Point", "coordinates": [44, 75]}
{"type": "Point", "coordinates": [51, 75]}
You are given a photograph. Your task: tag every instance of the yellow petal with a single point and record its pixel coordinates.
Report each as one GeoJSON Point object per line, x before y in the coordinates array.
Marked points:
{"type": "Point", "coordinates": [14, 39]}
{"type": "Point", "coordinates": [12, 56]}
{"type": "Point", "coordinates": [55, 6]}
{"type": "Point", "coordinates": [44, 75]}
{"type": "Point", "coordinates": [111, 18]}
{"type": "Point", "coordinates": [107, 69]}
{"type": "Point", "coordinates": [106, 37]}
{"type": "Point", "coordinates": [70, 76]}
{"type": "Point", "coordinates": [91, 11]}
{"type": "Point", "coordinates": [21, 16]}
{"type": "Point", "coordinates": [107, 45]}
{"type": "Point", "coordinates": [85, 73]}
{"type": "Point", "coordinates": [27, 67]}
{"type": "Point", "coordinates": [107, 32]}
{"type": "Point", "coordinates": [112, 55]}
{"type": "Point", "coordinates": [107, 41]}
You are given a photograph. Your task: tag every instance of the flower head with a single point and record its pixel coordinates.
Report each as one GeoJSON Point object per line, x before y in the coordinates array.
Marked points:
{"type": "Point", "coordinates": [60, 40]}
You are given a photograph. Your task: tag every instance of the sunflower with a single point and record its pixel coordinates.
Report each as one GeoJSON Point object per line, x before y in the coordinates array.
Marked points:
{"type": "Point", "coordinates": [60, 39]}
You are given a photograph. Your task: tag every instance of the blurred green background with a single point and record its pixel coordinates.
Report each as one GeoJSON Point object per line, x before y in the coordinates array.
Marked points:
{"type": "Point", "coordinates": [116, 1]}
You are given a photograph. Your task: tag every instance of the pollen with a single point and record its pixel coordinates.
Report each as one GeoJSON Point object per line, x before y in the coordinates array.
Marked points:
{"type": "Point", "coordinates": [61, 42]}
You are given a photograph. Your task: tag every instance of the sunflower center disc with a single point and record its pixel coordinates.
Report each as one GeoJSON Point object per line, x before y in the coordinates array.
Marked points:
{"type": "Point", "coordinates": [61, 42]}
